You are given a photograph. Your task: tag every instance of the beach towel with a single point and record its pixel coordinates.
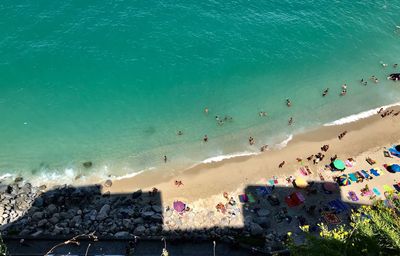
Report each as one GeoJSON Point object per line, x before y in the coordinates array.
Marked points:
{"type": "Point", "coordinates": [303, 171]}
{"type": "Point", "coordinates": [353, 196]}
{"type": "Point", "coordinates": [394, 152]}
{"type": "Point", "coordinates": [338, 205]}
{"type": "Point", "coordinates": [376, 191]}
{"type": "Point", "coordinates": [251, 198]}
{"type": "Point", "coordinates": [388, 189]}
{"type": "Point", "coordinates": [374, 172]}
{"type": "Point", "coordinates": [243, 198]}
{"type": "Point", "coordinates": [365, 174]}
{"type": "Point", "coordinates": [352, 177]}
{"type": "Point", "coordinates": [331, 218]}
{"type": "Point", "coordinates": [263, 191]}
{"type": "Point", "coordinates": [348, 163]}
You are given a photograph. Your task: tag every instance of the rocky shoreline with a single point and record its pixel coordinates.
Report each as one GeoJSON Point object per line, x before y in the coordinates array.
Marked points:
{"type": "Point", "coordinates": [66, 211]}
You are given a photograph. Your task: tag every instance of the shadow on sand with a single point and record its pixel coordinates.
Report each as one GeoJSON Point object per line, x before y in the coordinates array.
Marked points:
{"type": "Point", "coordinates": [266, 212]}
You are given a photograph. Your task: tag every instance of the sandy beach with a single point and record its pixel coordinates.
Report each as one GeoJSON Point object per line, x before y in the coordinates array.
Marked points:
{"type": "Point", "coordinates": [365, 137]}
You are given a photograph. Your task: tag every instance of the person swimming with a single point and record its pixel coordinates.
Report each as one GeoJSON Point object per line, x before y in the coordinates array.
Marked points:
{"type": "Point", "coordinates": [290, 122]}
{"type": "Point", "coordinates": [344, 86]}
{"type": "Point", "coordinates": [288, 102]}
{"type": "Point", "coordinates": [205, 139]}
{"type": "Point", "coordinates": [325, 92]}
{"type": "Point", "coordinates": [344, 91]}
{"type": "Point", "coordinates": [180, 133]}
{"type": "Point", "coordinates": [262, 113]}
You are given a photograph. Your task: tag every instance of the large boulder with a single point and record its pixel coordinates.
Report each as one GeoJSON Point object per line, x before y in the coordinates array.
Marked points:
{"type": "Point", "coordinates": [103, 213]}
{"type": "Point", "coordinates": [37, 216]}
{"type": "Point", "coordinates": [263, 213]}
{"type": "Point", "coordinates": [139, 230]}
{"type": "Point", "coordinates": [256, 229]}
{"type": "Point", "coordinates": [122, 234]}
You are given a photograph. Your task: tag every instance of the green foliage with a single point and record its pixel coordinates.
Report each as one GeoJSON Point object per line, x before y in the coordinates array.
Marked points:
{"type": "Point", "coordinates": [373, 230]}
{"type": "Point", "coordinates": [3, 249]}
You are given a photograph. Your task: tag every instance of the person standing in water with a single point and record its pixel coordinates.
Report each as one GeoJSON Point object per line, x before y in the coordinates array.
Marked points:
{"type": "Point", "coordinates": [206, 110]}
{"type": "Point", "coordinates": [325, 92]}
{"type": "Point", "coordinates": [288, 103]}
{"type": "Point", "coordinates": [165, 159]}
{"type": "Point", "coordinates": [205, 139]}
{"type": "Point", "coordinates": [290, 122]}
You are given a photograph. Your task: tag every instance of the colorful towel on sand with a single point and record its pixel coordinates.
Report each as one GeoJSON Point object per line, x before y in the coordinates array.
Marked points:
{"type": "Point", "coordinates": [374, 172]}
{"type": "Point", "coordinates": [352, 177]}
{"type": "Point", "coordinates": [376, 191]}
{"type": "Point", "coordinates": [331, 218]}
{"type": "Point", "coordinates": [303, 171]}
{"type": "Point", "coordinates": [348, 163]}
{"type": "Point", "coordinates": [388, 189]}
{"type": "Point", "coordinates": [353, 196]}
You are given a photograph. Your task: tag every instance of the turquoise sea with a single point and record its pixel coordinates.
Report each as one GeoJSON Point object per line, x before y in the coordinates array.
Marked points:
{"type": "Point", "coordinates": [112, 82]}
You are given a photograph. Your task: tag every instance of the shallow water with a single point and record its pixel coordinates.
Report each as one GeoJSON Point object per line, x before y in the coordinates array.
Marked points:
{"type": "Point", "coordinates": [113, 82]}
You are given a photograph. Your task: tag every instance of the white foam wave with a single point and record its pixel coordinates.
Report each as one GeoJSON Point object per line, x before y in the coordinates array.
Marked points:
{"type": "Point", "coordinates": [359, 116]}
{"type": "Point", "coordinates": [284, 142]}
{"type": "Point", "coordinates": [228, 156]}
{"type": "Point", "coordinates": [6, 176]}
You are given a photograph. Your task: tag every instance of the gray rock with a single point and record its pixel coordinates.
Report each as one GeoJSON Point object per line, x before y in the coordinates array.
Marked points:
{"type": "Point", "coordinates": [156, 217]}
{"type": "Point", "coordinates": [52, 208]}
{"type": "Point", "coordinates": [37, 216]}
{"type": "Point", "coordinates": [156, 208]}
{"type": "Point", "coordinates": [54, 220]}
{"type": "Point", "coordinates": [103, 213]}
{"type": "Point", "coordinates": [122, 234]}
{"type": "Point", "coordinates": [4, 189]}
{"type": "Point", "coordinates": [256, 229]}
{"type": "Point", "coordinates": [38, 202]}
{"type": "Point", "coordinates": [263, 213]}
{"type": "Point", "coordinates": [137, 194]}
{"type": "Point", "coordinates": [139, 230]}
{"type": "Point", "coordinates": [126, 223]}
{"type": "Point", "coordinates": [147, 214]}
{"type": "Point", "coordinates": [25, 232]}
{"type": "Point", "coordinates": [37, 233]}
{"type": "Point", "coordinates": [42, 223]}
{"type": "Point", "coordinates": [263, 222]}
{"type": "Point", "coordinates": [138, 221]}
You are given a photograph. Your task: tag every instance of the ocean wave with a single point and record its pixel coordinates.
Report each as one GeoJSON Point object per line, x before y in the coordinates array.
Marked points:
{"type": "Point", "coordinates": [228, 156]}
{"type": "Point", "coordinates": [284, 142]}
{"type": "Point", "coordinates": [361, 115]}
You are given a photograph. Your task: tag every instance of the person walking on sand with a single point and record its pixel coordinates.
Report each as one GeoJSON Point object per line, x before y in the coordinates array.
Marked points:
{"type": "Point", "coordinates": [282, 164]}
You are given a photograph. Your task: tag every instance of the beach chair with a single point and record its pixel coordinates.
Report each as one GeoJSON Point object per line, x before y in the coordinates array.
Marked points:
{"type": "Point", "coordinates": [359, 176]}
{"type": "Point", "coordinates": [376, 191]}
{"type": "Point", "coordinates": [353, 177]}
{"type": "Point", "coordinates": [374, 172]}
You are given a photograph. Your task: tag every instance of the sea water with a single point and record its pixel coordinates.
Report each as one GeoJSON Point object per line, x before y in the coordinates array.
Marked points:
{"type": "Point", "coordinates": [112, 82]}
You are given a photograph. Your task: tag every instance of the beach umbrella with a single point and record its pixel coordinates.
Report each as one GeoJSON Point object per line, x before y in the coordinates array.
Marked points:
{"type": "Point", "coordinates": [339, 164]}
{"type": "Point", "coordinates": [179, 206]}
{"type": "Point", "coordinates": [301, 183]}
{"type": "Point", "coordinates": [344, 180]}
{"type": "Point", "coordinates": [329, 186]}
{"type": "Point", "coordinates": [397, 148]}
{"type": "Point", "coordinates": [395, 167]}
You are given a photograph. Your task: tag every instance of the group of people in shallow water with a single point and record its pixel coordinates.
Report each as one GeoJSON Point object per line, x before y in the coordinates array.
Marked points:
{"type": "Point", "coordinates": [220, 121]}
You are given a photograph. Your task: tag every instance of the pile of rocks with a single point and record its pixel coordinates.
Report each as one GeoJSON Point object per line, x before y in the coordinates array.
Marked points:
{"type": "Point", "coordinates": [66, 211]}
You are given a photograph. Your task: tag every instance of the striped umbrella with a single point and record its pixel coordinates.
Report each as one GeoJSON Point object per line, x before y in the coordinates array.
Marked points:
{"type": "Point", "coordinates": [344, 180]}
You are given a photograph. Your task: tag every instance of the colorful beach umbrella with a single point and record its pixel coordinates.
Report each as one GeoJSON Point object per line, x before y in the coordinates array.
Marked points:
{"type": "Point", "coordinates": [301, 183]}
{"type": "Point", "coordinates": [344, 180]}
{"type": "Point", "coordinates": [179, 206]}
{"type": "Point", "coordinates": [339, 164]}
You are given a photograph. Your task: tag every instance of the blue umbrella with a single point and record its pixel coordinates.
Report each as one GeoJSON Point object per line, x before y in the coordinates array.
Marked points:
{"type": "Point", "coordinates": [395, 167]}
